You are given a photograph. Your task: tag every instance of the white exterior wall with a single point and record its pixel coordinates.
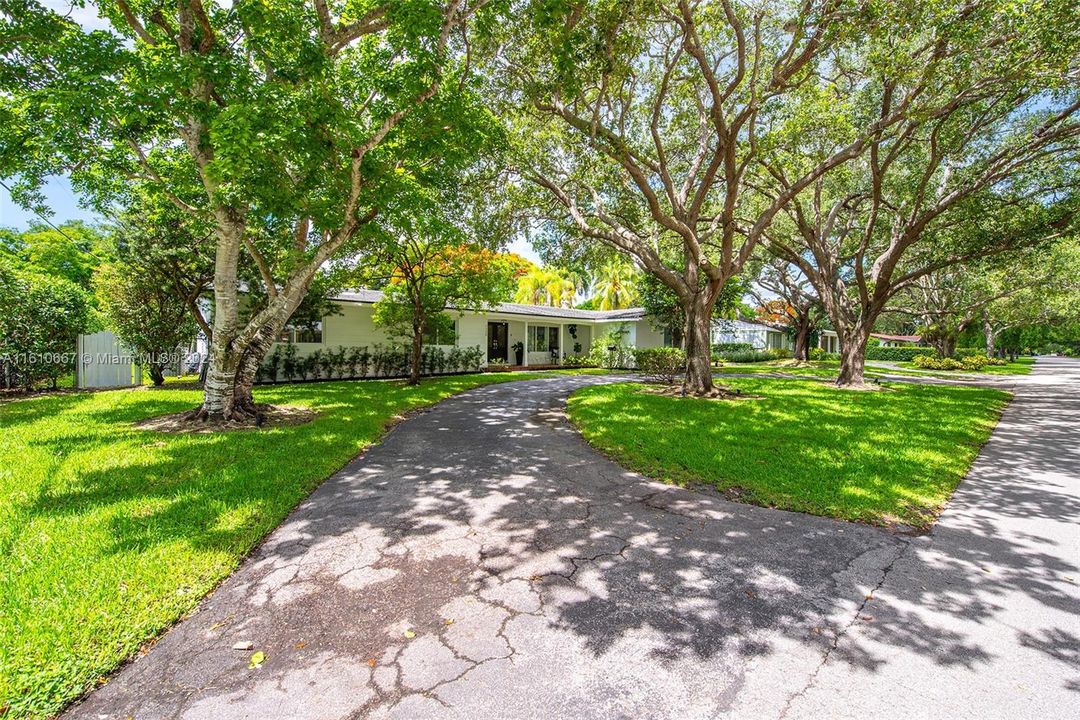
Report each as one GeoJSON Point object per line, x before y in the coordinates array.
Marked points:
{"type": "Point", "coordinates": [646, 336]}
{"type": "Point", "coordinates": [355, 327]}
{"type": "Point", "coordinates": [584, 336]}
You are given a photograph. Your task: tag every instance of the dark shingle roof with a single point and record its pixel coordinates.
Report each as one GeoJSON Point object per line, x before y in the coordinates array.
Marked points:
{"type": "Point", "coordinates": [545, 311]}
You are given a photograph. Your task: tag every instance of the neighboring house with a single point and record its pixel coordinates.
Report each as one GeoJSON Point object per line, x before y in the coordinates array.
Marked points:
{"type": "Point", "coordinates": [547, 333]}
{"type": "Point", "coordinates": [897, 340]}
{"type": "Point", "coordinates": [760, 335]}
{"type": "Point", "coordinates": [829, 342]}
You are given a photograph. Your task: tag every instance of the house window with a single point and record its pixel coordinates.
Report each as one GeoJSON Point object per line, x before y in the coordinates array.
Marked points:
{"type": "Point", "coordinates": [311, 334]}
{"type": "Point", "coordinates": [543, 338]}
{"type": "Point", "coordinates": [441, 335]}
{"type": "Point", "coordinates": [673, 338]}
{"type": "Point", "coordinates": [306, 334]}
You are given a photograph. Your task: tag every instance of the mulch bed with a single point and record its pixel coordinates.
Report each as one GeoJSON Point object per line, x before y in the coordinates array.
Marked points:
{"type": "Point", "coordinates": [269, 416]}
{"type": "Point", "coordinates": [718, 393]}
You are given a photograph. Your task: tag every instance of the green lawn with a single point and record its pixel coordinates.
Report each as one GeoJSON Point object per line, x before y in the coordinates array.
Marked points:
{"type": "Point", "coordinates": [1022, 366]}
{"type": "Point", "coordinates": [828, 369]}
{"type": "Point", "coordinates": [825, 369]}
{"type": "Point", "coordinates": [816, 368]}
{"type": "Point", "coordinates": [108, 534]}
{"type": "Point", "coordinates": [880, 457]}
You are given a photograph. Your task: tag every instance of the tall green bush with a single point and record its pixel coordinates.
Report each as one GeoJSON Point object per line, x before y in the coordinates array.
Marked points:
{"type": "Point", "coordinates": [41, 317]}
{"type": "Point", "coordinates": [611, 350]}
{"type": "Point", "coordinates": [661, 364]}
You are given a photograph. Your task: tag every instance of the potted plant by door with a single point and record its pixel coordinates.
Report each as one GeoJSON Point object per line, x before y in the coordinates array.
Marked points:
{"type": "Point", "coordinates": [519, 352]}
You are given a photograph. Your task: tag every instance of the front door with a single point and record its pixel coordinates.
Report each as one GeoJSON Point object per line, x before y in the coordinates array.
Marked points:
{"type": "Point", "coordinates": [496, 341]}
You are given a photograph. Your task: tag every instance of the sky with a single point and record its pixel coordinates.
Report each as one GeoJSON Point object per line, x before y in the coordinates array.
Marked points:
{"type": "Point", "coordinates": [59, 197]}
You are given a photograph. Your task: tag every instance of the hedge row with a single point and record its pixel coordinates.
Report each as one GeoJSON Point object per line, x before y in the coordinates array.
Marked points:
{"type": "Point", "coordinates": [283, 364]}
{"type": "Point", "coordinates": [897, 354]}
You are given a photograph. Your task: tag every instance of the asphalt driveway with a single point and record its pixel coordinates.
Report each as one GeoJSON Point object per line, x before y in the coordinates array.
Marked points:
{"type": "Point", "coordinates": [483, 562]}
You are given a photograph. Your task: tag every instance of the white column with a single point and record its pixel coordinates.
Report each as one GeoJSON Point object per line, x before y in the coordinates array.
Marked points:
{"type": "Point", "coordinates": [525, 354]}
{"type": "Point", "coordinates": [562, 342]}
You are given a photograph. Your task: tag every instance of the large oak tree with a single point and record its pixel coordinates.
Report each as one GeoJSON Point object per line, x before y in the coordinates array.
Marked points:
{"type": "Point", "coordinates": [644, 122]}
{"type": "Point", "coordinates": [983, 161]}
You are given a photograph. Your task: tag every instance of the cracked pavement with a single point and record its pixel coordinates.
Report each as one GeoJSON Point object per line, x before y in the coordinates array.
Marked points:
{"type": "Point", "coordinates": [483, 562]}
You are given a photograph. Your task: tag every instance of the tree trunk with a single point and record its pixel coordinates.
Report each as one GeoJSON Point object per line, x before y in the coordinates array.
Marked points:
{"type": "Point", "coordinates": [991, 336]}
{"type": "Point", "coordinates": [802, 340]}
{"type": "Point", "coordinates": [236, 351]}
{"type": "Point", "coordinates": [220, 385]}
{"type": "Point", "coordinates": [417, 354]}
{"type": "Point", "coordinates": [853, 356]}
{"type": "Point", "coordinates": [698, 345]}
{"type": "Point", "coordinates": [156, 374]}
{"type": "Point", "coordinates": [227, 392]}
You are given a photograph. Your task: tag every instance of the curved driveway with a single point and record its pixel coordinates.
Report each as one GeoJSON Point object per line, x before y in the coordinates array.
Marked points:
{"type": "Point", "coordinates": [483, 562]}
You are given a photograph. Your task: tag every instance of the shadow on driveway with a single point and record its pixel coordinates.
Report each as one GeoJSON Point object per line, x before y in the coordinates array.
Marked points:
{"type": "Point", "coordinates": [483, 562]}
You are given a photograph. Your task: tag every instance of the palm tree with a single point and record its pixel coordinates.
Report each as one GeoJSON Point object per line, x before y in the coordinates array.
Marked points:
{"type": "Point", "coordinates": [616, 285]}
{"type": "Point", "coordinates": [532, 288]}
{"type": "Point", "coordinates": [546, 286]}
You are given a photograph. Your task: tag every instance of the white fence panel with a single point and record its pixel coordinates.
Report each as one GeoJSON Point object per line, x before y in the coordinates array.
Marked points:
{"type": "Point", "coordinates": [103, 362]}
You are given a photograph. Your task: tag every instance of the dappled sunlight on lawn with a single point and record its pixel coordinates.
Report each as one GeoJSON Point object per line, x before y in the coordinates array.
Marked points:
{"type": "Point", "coordinates": [879, 456]}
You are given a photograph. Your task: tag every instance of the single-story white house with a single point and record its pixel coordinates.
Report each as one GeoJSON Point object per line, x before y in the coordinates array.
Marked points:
{"type": "Point", "coordinates": [829, 342]}
{"type": "Point", "coordinates": [897, 340]}
{"type": "Point", "coordinates": [760, 335]}
{"type": "Point", "coordinates": [548, 334]}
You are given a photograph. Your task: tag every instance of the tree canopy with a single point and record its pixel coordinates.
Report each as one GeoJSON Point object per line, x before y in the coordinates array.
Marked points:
{"type": "Point", "coordinates": [289, 129]}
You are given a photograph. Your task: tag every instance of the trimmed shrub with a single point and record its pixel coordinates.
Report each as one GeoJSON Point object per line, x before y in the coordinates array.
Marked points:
{"type": "Point", "coordinates": [897, 354]}
{"type": "Point", "coordinates": [577, 361]}
{"type": "Point", "coordinates": [747, 356]}
{"type": "Point", "coordinates": [973, 362]}
{"type": "Point", "coordinates": [820, 354]}
{"type": "Point", "coordinates": [930, 362]}
{"type": "Point", "coordinates": [621, 357]}
{"type": "Point", "coordinates": [284, 363]}
{"type": "Point", "coordinates": [718, 348]}
{"type": "Point", "coordinates": [661, 364]}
